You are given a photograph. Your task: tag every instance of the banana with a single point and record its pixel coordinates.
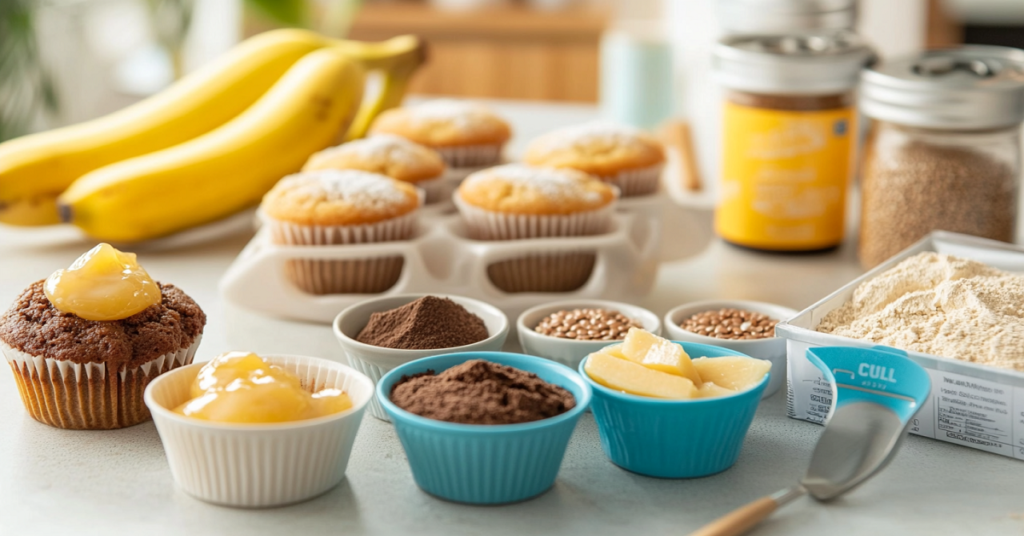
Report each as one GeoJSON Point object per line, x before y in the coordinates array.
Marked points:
{"type": "Point", "coordinates": [226, 169]}
{"type": "Point", "coordinates": [35, 169]}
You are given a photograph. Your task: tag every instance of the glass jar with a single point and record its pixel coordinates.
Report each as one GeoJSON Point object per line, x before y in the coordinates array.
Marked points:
{"type": "Point", "coordinates": [944, 149]}
{"type": "Point", "coordinates": [788, 139]}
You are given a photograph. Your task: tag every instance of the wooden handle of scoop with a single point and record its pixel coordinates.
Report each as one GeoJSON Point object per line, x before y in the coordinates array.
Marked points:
{"type": "Point", "coordinates": [744, 518]}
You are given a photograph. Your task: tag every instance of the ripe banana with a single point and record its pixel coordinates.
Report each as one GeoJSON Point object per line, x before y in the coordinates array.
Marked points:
{"type": "Point", "coordinates": [226, 169]}
{"type": "Point", "coordinates": [35, 169]}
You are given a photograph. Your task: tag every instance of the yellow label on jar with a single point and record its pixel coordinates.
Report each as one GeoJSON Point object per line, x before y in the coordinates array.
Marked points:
{"type": "Point", "coordinates": [784, 177]}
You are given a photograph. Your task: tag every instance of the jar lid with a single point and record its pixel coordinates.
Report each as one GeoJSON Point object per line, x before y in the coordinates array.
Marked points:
{"type": "Point", "coordinates": [966, 88]}
{"type": "Point", "coordinates": [785, 16]}
{"type": "Point", "coordinates": [807, 64]}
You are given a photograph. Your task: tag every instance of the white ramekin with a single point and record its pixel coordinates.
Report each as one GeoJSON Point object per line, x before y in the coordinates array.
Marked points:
{"type": "Point", "coordinates": [259, 465]}
{"type": "Point", "coordinates": [376, 361]}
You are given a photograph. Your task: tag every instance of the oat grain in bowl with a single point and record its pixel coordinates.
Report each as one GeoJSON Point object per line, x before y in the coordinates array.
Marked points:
{"type": "Point", "coordinates": [481, 392]}
{"type": "Point", "coordinates": [731, 323]}
{"type": "Point", "coordinates": [587, 324]}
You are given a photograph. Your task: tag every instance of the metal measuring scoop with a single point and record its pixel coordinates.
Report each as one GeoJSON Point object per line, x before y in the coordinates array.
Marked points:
{"type": "Point", "coordinates": [876, 394]}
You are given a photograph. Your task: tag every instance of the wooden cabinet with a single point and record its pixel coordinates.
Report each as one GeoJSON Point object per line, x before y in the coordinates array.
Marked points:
{"type": "Point", "coordinates": [509, 52]}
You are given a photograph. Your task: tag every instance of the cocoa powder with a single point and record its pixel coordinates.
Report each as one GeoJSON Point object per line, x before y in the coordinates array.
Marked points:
{"type": "Point", "coordinates": [425, 324]}
{"type": "Point", "coordinates": [481, 392]}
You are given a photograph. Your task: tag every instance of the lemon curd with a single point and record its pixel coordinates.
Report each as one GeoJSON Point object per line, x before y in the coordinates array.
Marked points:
{"type": "Point", "coordinates": [103, 284]}
{"type": "Point", "coordinates": [240, 387]}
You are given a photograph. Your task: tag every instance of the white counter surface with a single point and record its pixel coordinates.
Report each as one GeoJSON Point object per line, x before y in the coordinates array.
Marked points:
{"type": "Point", "coordinates": [118, 482]}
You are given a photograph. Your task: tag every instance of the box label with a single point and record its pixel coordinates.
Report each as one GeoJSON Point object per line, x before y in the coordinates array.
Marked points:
{"type": "Point", "coordinates": [960, 409]}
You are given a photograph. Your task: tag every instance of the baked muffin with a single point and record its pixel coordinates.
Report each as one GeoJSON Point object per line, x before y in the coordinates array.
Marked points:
{"type": "Point", "coordinates": [623, 156]}
{"type": "Point", "coordinates": [467, 135]}
{"type": "Point", "coordinates": [389, 155]}
{"type": "Point", "coordinates": [77, 373]}
{"type": "Point", "coordinates": [334, 207]}
{"type": "Point", "coordinates": [515, 201]}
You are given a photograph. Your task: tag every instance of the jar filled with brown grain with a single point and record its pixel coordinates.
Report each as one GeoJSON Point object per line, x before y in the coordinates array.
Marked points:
{"type": "Point", "coordinates": [789, 132]}
{"type": "Point", "coordinates": [944, 149]}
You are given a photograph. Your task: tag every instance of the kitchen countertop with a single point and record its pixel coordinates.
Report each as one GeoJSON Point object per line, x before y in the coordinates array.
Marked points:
{"type": "Point", "coordinates": [116, 482]}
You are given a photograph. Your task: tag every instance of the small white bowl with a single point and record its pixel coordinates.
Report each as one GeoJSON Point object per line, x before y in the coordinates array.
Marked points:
{"type": "Point", "coordinates": [259, 465]}
{"type": "Point", "coordinates": [773, 349]}
{"type": "Point", "coordinates": [570, 352]}
{"type": "Point", "coordinates": [376, 361]}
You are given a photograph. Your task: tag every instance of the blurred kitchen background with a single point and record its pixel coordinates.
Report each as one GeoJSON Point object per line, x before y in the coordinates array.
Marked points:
{"type": "Point", "coordinates": [642, 61]}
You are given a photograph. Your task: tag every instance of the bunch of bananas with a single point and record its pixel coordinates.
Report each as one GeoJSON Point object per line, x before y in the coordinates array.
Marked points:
{"type": "Point", "coordinates": [210, 145]}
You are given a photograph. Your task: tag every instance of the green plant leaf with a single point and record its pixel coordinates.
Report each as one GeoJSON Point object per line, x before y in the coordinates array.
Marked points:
{"type": "Point", "coordinates": [283, 12]}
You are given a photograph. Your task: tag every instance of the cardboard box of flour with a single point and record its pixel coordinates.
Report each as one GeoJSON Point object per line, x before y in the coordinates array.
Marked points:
{"type": "Point", "coordinates": [973, 405]}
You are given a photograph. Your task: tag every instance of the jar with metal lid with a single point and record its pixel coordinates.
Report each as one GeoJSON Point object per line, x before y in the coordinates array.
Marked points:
{"type": "Point", "coordinates": [788, 138]}
{"type": "Point", "coordinates": [944, 148]}
{"type": "Point", "coordinates": [785, 17]}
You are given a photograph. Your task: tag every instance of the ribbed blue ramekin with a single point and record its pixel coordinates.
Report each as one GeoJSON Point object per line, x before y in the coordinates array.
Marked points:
{"type": "Point", "coordinates": [674, 438]}
{"type": "Point", "coordinates": [485, 464]}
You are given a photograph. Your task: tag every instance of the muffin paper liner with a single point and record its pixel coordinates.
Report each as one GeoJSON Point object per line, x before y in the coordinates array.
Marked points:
{"type": "Point", "coordinates": [261, 465]}
{"type": "Point", "coordinates": [634, 182]}
{"type": "Point", "coordinates": [87, 396]}
{"type": "Point", "coordinates": [540, 272]}
{"type": "Point", "coordinates": [433, 189]}
{"type": "Point", "coordinates": [467, 156]}
{"type": "Point", "coordinates": [362, 276]}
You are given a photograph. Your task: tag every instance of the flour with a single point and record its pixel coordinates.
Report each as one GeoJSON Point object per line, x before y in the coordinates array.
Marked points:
{"type": "Point", "coordinates": [941, 305]}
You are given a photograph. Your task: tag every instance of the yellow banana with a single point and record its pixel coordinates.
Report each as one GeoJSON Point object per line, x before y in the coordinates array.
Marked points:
{"type": "Point", "coordinates": [35, 169]}
{"type": "Point", "coordinates": [226, 169]}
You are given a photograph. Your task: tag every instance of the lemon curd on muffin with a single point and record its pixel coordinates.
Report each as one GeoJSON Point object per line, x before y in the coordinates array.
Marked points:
{"type": "Point", "coordinates": [341, 207]}
{"type": "Point", "coordinates": [515, 201]}
{"type": "Point", "coordinates": [84, 343]}
{"type": "Point", "coordinates": [622, 156]}
{"type": "Point", "coordinates": [466, 134]}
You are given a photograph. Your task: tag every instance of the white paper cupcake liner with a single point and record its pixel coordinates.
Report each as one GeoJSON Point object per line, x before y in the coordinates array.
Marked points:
{"type": "Point", "coordinates": [87, 396]}
{"type": "Point", "coordinates": [260, 465]}
{"type": "Point", "coordinates": [360, 276]}
{"type": "Point", "coordinates": [548, 272]}
{"type": "Point", "coordinates": [433, 189]}
{"type": "Point", "coordinates": [487, 225]}
{"type": "Point", "coordinates": [467, 156]}
{"type": "Point", "coordinates": [635, 182]}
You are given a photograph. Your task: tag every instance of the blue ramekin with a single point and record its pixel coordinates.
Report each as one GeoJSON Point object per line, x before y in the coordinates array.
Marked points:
{"type": "Point", "coordinates": [485, 464]}
{"type": "Point", "coordinates": [674, 438]}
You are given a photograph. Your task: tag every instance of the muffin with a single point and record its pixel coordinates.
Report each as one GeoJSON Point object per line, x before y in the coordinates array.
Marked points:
{"type": "Point", "coordinates": [515, 201]}
{"type": "Point", "coordinates": [467, 135]}
{"type": "Point", "coordinates": [334, 207]}
{"type": "Point", "coordinates": [77, 373]}
{"type": "Point", "coordinates": [389, 155]}
{"type": "Point", "coordinates": [623, 156]}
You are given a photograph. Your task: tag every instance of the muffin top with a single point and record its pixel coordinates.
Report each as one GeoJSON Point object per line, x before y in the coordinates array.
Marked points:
{"type": "Point", "coordinates": [445, 123]}
{"type": "Point", "coordinates": [339, 197]}
{"type": "Point", "coordinates": [34, 326]}
{"type": "Point", "coordinates": [598, 148]}
{"type": "Point", "coordinates": [386, 154]}
{"type": "Point", "coordinates": [520, 189]}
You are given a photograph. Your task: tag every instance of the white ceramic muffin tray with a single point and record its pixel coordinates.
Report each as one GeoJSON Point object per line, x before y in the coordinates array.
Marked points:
{"type": "Point", "coordinates": [442, 259]}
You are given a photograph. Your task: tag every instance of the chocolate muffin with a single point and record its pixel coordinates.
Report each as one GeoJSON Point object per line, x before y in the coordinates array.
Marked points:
{"type": "Point", "coordinates": [84, 374]}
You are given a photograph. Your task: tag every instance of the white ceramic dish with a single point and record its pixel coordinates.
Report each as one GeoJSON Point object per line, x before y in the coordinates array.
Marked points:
{"type": "Point", "coordinates": [570, 352]}
{"type": "Point", "coordinates": [440, 258]}
{"type": "Point", "coordinates": [376, 361]}
{"type": "Point", "coordinates": [259, 465]}
{"type": "Point", "coordinates": [773, 349]}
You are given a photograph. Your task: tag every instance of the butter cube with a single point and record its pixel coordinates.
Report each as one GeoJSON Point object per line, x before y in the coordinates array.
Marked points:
{"type": "Point", "coordinates": [632, 378]}
{"type": "Point", "coordinates": [732, 372]}
{"type": "Point", "coordinates": [658, 354]}
{"type": "Point", "coordinates": [710, 390]}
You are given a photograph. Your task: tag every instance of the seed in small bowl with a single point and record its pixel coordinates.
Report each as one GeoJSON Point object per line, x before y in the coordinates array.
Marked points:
{"type": "Point", "coordinates": [587, 325]}
{"type": "Point", "coordinates": [731, 323]}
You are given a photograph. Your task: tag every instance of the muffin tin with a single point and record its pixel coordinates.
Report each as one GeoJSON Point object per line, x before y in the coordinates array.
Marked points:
{"type": "Point", "coordinates": [441, 258]}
